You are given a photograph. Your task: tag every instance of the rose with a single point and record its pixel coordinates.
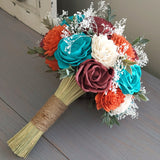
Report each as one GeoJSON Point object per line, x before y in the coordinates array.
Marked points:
{"type": "Point", "coordinates": [110, 101]}
{"type": "Point", "coordinates": [92, 76]}
{"type": "Point", "coordinates": [130, 83]}
{"type": "Point", "coordinates": [73, 50]}
{"type": "Point", "coordinates": [51, 40]}
{"type": "Point", "coordinates": [104, 50]}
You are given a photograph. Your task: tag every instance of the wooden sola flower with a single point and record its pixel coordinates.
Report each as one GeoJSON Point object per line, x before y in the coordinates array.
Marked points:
{"type": "Point", "coordinates": [109, 101]}
{"type": "Point", "coordinates": [90, 54]}
{"type": "Point", "coordinates": [51, 40]}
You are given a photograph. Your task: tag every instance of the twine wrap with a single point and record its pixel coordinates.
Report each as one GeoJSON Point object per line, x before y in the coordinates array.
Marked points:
{"type": "Point", "coordinates": [49, 113]}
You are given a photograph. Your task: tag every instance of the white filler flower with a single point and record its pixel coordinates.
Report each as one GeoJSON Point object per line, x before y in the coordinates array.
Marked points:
{"type": "Point", "coordinates": [104, 50]}
{"type": "Point", "coordinates": [123, 106]}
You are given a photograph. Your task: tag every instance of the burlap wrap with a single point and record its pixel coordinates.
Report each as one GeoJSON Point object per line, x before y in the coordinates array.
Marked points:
{"type": "Point", "coordinates": [49, 113]}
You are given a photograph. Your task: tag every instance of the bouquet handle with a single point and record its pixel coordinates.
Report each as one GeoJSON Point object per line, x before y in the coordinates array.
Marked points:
{"type": "Point", "coordinates": [49, 113]}
{"type": "Point", "coordinates": [24, 141]}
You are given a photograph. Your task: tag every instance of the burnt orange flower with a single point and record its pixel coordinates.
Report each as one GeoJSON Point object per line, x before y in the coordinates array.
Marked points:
{"type": "Point", "coordinates": [53, 64]}
{"type": "Point", "coordinates": [110, 101]}
{"type": "Point", "coordinates": [120, 41]}
{"type": "Point", "coordinates": [51, 40]}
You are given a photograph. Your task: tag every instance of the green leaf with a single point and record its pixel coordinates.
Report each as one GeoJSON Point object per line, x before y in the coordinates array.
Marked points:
{"type": "Point", "coordinates": [49, 70]}
{"type": "Point", "coordinates": [68, 20]}
{"type": "Point", "coordinates": [39, 50]}
{"type": "Point", "coordinates": [128, 62]}
{"type": "Point", "coordinates": [143, 97]}
{"type": "Point", "coordinates": [128, 69]}
{"type": "Point", "coordinates": [109, 10]}
{"type": "Point", "coordinates": [140, 41]}
{"type": "Point", "coordinates": [50, 57]}
{"type": "Point", "coordinates": [31, 51]}
{"type": "Point", "coordinates": [136, 41]}
{"type": "Point", "coordinates": [47, 23]}
{"type": "Point", "coordinates": [111, 18]}
{"type": "Point", "coordinates": [36, 50]}
{"type": "Point", "coordinates": [137, 97]}
{"type": "Point", "coordinates": [68, 72]}
{"type": "Point", "coordinates": [116, 120]}
{"type": "Point", "coordinates": [143, 41]}
{"type": "Point", "coordinates": [109, 120]}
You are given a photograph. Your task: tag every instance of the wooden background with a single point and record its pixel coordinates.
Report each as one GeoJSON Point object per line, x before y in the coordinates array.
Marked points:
{"type": "Point", "coordinates": [79, 133]}
{"type": "Point", "coordinates": [30, 12]}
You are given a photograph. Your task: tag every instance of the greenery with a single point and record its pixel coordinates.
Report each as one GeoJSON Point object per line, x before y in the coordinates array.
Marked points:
{"type": "Point", "coordinates": [109, 120]}
{"type": "Point", "coordinates": [110, 17]}
{"type": "Point", "coordinates": [50, 57]}
{"type": "Point", "coordinates": [47, 23]}
{"type": "Point", "coordinates": [140, 41]}
{"type": "Point", "coordinates": [127, 63]}
{"type": "Point", "coordinates": [36, 50]}
{"type": "Point", "coordinates": [141, 96]}
{"type": "Point", "coordinates": [68, 72]}
{"type": "Point", "coordinates": [68, 21]}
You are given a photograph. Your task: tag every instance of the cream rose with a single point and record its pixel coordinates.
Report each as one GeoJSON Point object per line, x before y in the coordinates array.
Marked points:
{"type": "Point", "coordinates": [104, 50]}
{"type": "Point", "coordinates": [123, 106]}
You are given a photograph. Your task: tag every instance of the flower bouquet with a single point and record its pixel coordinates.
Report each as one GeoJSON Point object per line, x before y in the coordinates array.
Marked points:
{"type": "Point", "coordinates": [90, 55]}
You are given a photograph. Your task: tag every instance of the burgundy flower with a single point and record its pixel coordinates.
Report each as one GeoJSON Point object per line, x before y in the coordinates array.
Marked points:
{"type": "Point", "coordinates": [92, 76]}
{"type": "Point", "coordinates": [136, 55]}
{"type": "Point", "coordinates": [101, 26]}
{"type": "Point", "coordinates": [41, 44]}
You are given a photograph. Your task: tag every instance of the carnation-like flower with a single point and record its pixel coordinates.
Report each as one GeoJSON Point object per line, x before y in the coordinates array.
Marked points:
{"type": "Point", "coordinates": [130, 83]}
{"type": "Point", "coordinates": [51, 40]}
{"type": "Point", "coordinates": [104, 50]}
{"type": "Point", "coordinates": [124, 46]}
{"type": "Point", "coordinates": [92, 76]}
{"type": "Point", "coordinates": [123, 106]}
{"type": "Point", "coordinates": [73, 50]}
{"type": "Point", "coordinates": [53, 64]}
{"type": "Point", "coordinates": [110, 101]}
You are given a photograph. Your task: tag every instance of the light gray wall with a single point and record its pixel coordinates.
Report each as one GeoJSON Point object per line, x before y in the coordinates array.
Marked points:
{"type": "Point", "coordinates": [143, 19]}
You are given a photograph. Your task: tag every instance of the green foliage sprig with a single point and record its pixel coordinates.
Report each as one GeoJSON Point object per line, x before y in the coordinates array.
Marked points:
{"type": "Point", "coordinates": [68, 72]}
{"type": "Point", "coordinates": [49, 25]}
{"type": "Point", "coordinates": [36, 50]}
{"type": "Point", "coordinates": [127, 63]}
{"type": "Point", "coordinates": [110, 17]}
{"type": "Point", "coordinates": [140, 41]}
{"type": "Point", "coordinates": [140, 96]}
{"type": "Point", "coordinates": [109, 120]}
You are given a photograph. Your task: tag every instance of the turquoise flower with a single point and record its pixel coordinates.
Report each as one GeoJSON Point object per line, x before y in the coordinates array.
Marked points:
{"type": "Point", "coordinates": [73, 50]}
{"type": "Point", "coordinates": [78, 17]}
{"type": "Point", "coordinates": [130, 83]}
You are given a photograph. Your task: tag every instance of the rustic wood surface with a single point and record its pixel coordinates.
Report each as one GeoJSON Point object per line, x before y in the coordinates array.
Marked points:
{"type": "Point", "coordinates": [79, 133]}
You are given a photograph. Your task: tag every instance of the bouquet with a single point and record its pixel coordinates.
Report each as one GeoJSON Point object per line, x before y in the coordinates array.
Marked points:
{"type": "Point", "coordinates": [90, 55]}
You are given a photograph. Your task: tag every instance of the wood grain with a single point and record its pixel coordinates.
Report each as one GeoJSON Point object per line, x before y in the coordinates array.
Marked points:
{"type": "Point", "coordinates": [79, 133]}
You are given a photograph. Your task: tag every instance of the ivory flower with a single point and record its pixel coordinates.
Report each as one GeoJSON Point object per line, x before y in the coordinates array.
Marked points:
{"type": "Point", "coordinates": [104, 50]}
{"type": "Point", "coordinates": [123, 106]}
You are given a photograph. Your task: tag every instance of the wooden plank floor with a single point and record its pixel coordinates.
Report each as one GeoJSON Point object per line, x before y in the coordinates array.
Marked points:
{"type": "Point", "coordinates": [79, 133]}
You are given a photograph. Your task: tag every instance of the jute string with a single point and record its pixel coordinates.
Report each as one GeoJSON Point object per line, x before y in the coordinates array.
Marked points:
{"type": "Point", "coordinates": [49, 113]}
